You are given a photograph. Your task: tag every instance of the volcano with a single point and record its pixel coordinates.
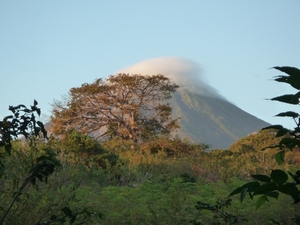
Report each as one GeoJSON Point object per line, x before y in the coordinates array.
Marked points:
{"type": "Point", "coordinates": [205, 116]}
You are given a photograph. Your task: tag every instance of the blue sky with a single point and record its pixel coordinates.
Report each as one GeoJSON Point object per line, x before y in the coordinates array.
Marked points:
{"type": "Point", "coordinates": [48, 47]}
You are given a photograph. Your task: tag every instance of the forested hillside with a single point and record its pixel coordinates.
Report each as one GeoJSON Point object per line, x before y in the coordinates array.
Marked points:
{"type": "Point", "coordinates": [137, 172]}
{"type": "Point", "coordinates": [161, 182]}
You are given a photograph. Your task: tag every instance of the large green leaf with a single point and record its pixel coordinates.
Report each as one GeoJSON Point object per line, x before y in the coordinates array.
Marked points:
{"type": "Point", "coordinates": [289, 98]}
{"type": "Point", "coordinates": [260, 201]}
{"type": "Point", "coordinates": [261, 177]}
{"type": "Point", "coordinates": [295, 176]}
{"type": "Point", "coordinates": [38, 111]}
{"type": "Point", "coordinates": [290, 189]}
{"type": "Point", "coordinates": [292, 71]}
{"type": "Point", "coordinates": [282, 132]}
{"type": "Point", "coordinates": [276, 127]}
{"type": "Point", "coordinates": [279, 157]}
{"type": "Point", "coordinates": [288, 114]}
{"type": "Point", "coordinates": [297, 95]}
{"type": "Point", "coordinates": [294, 82]}
{"type": "Point", "coordinates": [265, 188]}
{"type": "Point", "coordinates": [290, 143]}
{"type": "Point", "coordinates": [273, 194]}
{"type": "Point", "coordinates": [293, 77]}
{"type": "Point", "coordinates": [249, 185]}
{"type": "Point", "coordinates": [280, 129]}
{"type": "Point", "coordinates": [279, 176]}
{"type": "Point", "coordinates": [243, 194]}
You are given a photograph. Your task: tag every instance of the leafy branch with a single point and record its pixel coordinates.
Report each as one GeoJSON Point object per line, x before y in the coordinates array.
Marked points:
{"type": "Point", "coordinates": [23, 122]}
{"type": "Point", "coordinates": [278, 181]}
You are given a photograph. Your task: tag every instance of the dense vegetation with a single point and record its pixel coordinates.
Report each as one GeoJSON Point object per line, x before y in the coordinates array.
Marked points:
{"type": "Point", "coordinates": [75, 179]}
{"type": "Point", "coordinates": [160, 183]}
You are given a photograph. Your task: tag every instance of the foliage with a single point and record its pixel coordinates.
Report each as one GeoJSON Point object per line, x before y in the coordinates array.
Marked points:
{"type": "Point", "coordinates": [256, 141]}
{"type": "Point", "coordinates": [278, 181]}
{"type": "Point", "coordinates": [127, 106]}
{"type": "Point", "coordinates": [146, 188]}
{"type": "Point", "coordinates": [164, 180]}
{"type": "Point", "coordinates": [21, 122]}
{"type": "Point", "coordinates": [220, 215]}
{"type": "Point", "coordinates": [38, 203]}
{"type": "Point", "coordinates": [69, 216]}
{"type": "Point", "coordinates": [174, 147]}
{"type": "Point", "coordinates": [79, 143]}
{"type": "Point", "coordinates": [40, 163]}
{"type": "Point", "coordinates": [83, 149]}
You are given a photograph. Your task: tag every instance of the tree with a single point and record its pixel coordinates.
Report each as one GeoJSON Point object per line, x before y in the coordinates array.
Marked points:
{"type": "Point", "coordinates": [23, 122]}
{"type": "Point", "coordinates": [43, 163]}
{"type": "Point", "coordinates": [132, 107]}
{"type": "Point", "coordinates": [278, 181]}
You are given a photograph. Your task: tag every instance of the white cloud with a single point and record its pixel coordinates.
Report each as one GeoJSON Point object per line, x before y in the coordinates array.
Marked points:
{"type": "Point", "coordinates": [186, 73]}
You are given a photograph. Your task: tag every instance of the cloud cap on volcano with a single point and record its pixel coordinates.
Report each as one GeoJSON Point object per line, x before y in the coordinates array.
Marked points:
{"type": "Point", "coordinates": [186, 73]}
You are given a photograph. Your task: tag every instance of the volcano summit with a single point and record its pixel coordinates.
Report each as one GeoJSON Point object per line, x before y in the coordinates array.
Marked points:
{"type": "Point", "coordinates": [205, 116]}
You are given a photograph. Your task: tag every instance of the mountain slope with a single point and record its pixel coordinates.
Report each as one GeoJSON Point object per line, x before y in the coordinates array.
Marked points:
{"type": "Point", "coordinates": [212, 120]}
{"type": "Point", "coordinates": [205, 115]}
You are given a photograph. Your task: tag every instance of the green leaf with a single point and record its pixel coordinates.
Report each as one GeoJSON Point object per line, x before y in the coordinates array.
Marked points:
{"type": "Point", "coordinates": [280, 129]}
{"type": "Point", "coordinates": [38, 111]}
{"type": "Point", "coordinates": [279, 176]}
{"type": "Point", "coordinates": [289, 98]}
{"type": "Point", "coordinates": [243, 194]}
{"type": "Point", "coordinates": [276, 127]}
{"type": "Point", "coordinates": [273, 194]}
{"type": "Point", "coordinates": [249, 185]}
{"type": "Point", "coordinates": [260, 201]}
{"type": "Point", "coordinates": [261, 177]}
{"type": "Point", "coordinates": [294, 76]}
{"type": "Point", "coordinates": [290, 189]}
{"type": "Point", "coordinates": [282, 132]}
{"type": "Point", "coordinates": [41, 125]}
{"type": "Point", "coordinates": [43, 130]}
{"type": "Point", "coordinates": [251, 195]}
{"type": "Point", "coordinates": [290, 143]}
{"type": "Point", "coordinates": [292, 71]}
{"type": "Point", "coordinates": [297, 95]}
{"type": "Point", "coordinates": [235, 191]}
{"type": "Point", "coordinates": [265, 188]}
{"type": "Point", "coordinates": [293, 81]}
{"type": "Point", "coordinates": [296, 177]}
{"type": "Point", "coordinates": [279, 157]}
